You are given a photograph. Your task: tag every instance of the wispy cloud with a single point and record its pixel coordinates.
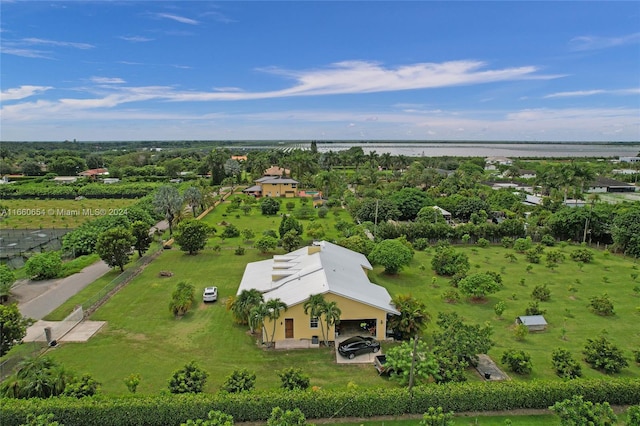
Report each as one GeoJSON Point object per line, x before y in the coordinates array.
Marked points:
{"type": "Point", "coordinates": [25, 52]}
{"type": "Point", "coordinates": [219, 17]}
{"type": "Point", "coordinates": [579, 93]}
{"type": "Point", "coordinates": [177, 18]}
{"type": "Point", "coordinates": [22, 92]}
{"type": "Point", "coordinates": [596, 42]}
{"type": "Point", "coordinates": [40, 41]}
{"type": "Point", "coordinates": [136, 39]}
{"type": "Point", "coordinates": [107, 80]}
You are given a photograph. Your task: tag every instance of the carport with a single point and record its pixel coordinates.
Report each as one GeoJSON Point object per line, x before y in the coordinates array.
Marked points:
{"type": "Point", "coordinates": [355, 327]}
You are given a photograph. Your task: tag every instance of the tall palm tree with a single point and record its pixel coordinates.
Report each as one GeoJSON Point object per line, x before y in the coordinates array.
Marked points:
{"type": "Point", "coordinates": [168, 202]}
{"type": "Point", "coordinates": [413, 315]}
{"type": "Point", "coordinates": [331, 317]}
{"type": "Point", "coordinates": [275, 307]}
{"type": "Point", "coordinates": [256, 318]}
{"type": "Point", "coordinates": [314, 308]}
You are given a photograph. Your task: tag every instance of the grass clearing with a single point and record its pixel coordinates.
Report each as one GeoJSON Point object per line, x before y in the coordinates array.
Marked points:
{"type": "Point", "coordinates": [146, 339]}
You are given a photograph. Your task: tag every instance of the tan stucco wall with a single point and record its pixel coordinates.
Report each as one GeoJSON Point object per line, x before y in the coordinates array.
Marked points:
{"type": "Point", "coordinates": [278, 190]}
{"type": "Point", "coordinates": [351, 310]}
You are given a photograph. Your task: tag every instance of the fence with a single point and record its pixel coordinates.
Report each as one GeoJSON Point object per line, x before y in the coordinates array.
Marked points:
{"type": "Point", "coordinates": [14, 243]}
{"type": "Point", "coordinates": [40, 342]}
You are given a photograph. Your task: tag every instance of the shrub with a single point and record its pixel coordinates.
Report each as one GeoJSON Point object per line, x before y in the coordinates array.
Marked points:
{"type": "Point", "coordinates": [188, 379]}
{"type": "Point", "coordinates": [214, 418]}
{"type": "Point", "coordinates": [601, 305]}
{"type": "Point", "coordinates": [44, 266]}
{"type": "Point", "coordinates": [633, 415]}
{"type": "Point", "coordinates": [520, 332]}
{"type": "Point", "coordinates": [239, 251]}
{"type": "Point", "coordinates": [522, 244]}
{"type": "Point", "coordinates": [437, 417]}
{"type": "Point", "coordinates": [280, 417]}
{"type": "Point", "coordinates": [532, 255]}
{"type": "Point", "coordinates": [269, 206]}
{"type": "Point", "coordinates": [565, 364]}
{"type": "Point", "coordinates": [266, 243]}
{"type": "Point", "coordinates": [84, 386]}
{"type": "Point", "coordinates": [478, 285]}
{"type": "Point", "coordinates": [482, 242]}
{"type": "Point", "coordinates": [507, 242]}
{"type": "Point", "coordinates": [182, 298]}
{"type": "Point", "coordinates": [293, 379]}
{"type": "Point", "coordinates": [240, 381]}
{"type": "Point", "coordinates": [548, 240]}
{"type": "Point", "coordinates": [451, 296]}
{"type": "Point", "coordinates": [230, 231]}
{"type": "Point", "coordinates": [518, 361]}
{"type": "Point", "coordinates": [583, 255]}
{"type": "Point", "coordinates": [132, 381]}
{"type": "Point", "coordinates": [534, 309]}
{"type": "Point", "coordinates": [499, 308]}
{"type": "Point", "coordinates": [421, 244]}
{"type": "Point", "coordinates": [577, 411]}
{"type": "Point", "coordinates": [603, 355]}
{"type": "Point", "coordinates": [447, 261]}
{"type": "Point", "coordinates": [322, 212]}
{"type": "Point", "coordinates": [541, 293]}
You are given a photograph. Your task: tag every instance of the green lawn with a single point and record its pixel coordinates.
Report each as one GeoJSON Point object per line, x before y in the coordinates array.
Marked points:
{"type": "Point", "coordinates": [538, 420]}
{"type": "Point", "coordinates": [143, 337]}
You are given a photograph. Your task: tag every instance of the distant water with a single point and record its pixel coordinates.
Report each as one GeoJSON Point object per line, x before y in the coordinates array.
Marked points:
{"type": "Point", "coordinates": [491, 150]}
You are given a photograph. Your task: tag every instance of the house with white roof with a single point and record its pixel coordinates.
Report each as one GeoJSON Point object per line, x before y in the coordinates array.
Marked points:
{"type": "Point", "coordinates": [339, 274]}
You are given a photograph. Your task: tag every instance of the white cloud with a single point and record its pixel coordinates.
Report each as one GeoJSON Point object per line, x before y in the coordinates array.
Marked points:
{"type": "Point", "coordinates": [595, 42]}
{"type": "Point", "coordinates": [22, 92]}
{"type": "Point", "coordinates": [136, 39]}
{"type": "Point", "coordinates": [40, 41]}
{"type": "Point", "coordinates": [633, 91]}
{"type": "Point", "coordinates": [25, 53]}
{"type": "Point", "coordinates": [107, 80]}
{"type": "Point", "coordinates": [177, 18]}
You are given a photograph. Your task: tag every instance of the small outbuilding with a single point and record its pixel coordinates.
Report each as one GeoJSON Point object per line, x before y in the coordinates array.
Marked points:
{"type": "Point", "coordinates": [533, 322]}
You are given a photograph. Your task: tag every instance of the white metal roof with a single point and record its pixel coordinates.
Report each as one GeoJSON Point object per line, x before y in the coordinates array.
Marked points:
{"type": "Point", "coordinates": [298, 275]}
{"type": "Point", "coordinates": [532, 320]}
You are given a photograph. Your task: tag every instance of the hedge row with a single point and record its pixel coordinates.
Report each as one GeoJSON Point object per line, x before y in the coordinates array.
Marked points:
{"type": "Point", "coordinates": [167, 409]}
{"type": "Point", "coordinates": [92, 190]}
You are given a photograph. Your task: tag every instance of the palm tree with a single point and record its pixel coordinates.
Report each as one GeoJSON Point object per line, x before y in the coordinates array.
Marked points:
{"type": "Point", "coordinates": [314, 307]}
{"type": "Point", "coordinates": [275, 306]}
{"type": "Point", "coordinates": [331, 317]}
{"type": "Point", "coordinates": [256, 318]}
{"type": "Point", "coordinates": [168, 202]}
{"type": "Point", "coordinates": [242, 305]}
{"type": "Point", "coordinates": [193, 197]}
{"type": "Point", "coordinates": [413, 315]}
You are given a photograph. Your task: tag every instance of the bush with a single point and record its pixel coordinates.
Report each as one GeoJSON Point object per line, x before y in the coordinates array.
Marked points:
{"type": "Point", "coordinates": [603, 355]}
{"type": "Point", "coordinates": [182, 298]}
{"type": "Point", "coordinates": [534, 309]}
{"type": "Point", "coordinates": [44, 266]}
{"type": "Point", "coordinates": [482, 242]}
{"type": "Point", "coordinates": [266, 243]}
{"type": "Point", "coordinates": [583, 255]}
{"type": "Point", "coordinates": [601, 305]}
{"type": "Point", "coordinates": [188, 379]}
{"type": "Point", "coordinates": [322, 212]}
{"type": "Point", "coordinates": [240, 381]}
{"type": "Point", "coordinates": [548, 240]}
{"type": "Point", "coordinates": [518, 361]}
{"type": "Point", "coordinates": [633, 415]}
{"type": "Point", "coordinates": [520, 332]}
{"type": "Point", "coordinates": [447, 261]}
{"type": "Point", "coordinates": [541, 293]}
{"type": "Point", "coordinates": [532, 255]}
{"type": "Point", "coordinates": [421, 244]}
{"type": "Point", "coordinates": [451, 296]}
{"type": "Point", "coordinates": [507, 242]}
{"type": "Point", "coordinates": [437, 417]}
{"type": "Point", "coordinates": [555, 256]}
{"type": "Point", "coordinates": [269, 206]}
{"type": "Point", "coordinates": [577, 411]}
{"type": "Point", "coordinates": [522, 244]}
{"type": "Point", "coordinates": [293, 379]}
{"type": "Point", "coordinates": [239, 251]}
{"type": "Point", "coordinates": [565, 364]}
{"type": "Point", "coordinates": [230, 231]}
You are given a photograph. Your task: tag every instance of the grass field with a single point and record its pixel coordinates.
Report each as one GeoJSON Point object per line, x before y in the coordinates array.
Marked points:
{"type": "Point", "coordinates": [517, 420]}
{"type": "Point", "coordinates": [45, 214]}
{"type": "Point", "coordinates": [144, 338]}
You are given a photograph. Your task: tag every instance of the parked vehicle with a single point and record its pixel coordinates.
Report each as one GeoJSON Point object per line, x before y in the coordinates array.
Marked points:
{"type": "Point", "coordinates": [358, 345]}
{"type": "Point", "coordinates": [210, 294]}
{"type": "Point", "coordinates": [380, 363]}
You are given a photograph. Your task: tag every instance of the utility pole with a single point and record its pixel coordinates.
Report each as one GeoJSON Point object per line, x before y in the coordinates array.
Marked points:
{"type": "Point", "coordinates": [413, 362]}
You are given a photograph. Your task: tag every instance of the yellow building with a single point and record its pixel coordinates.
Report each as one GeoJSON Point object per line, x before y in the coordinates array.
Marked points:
{"type": "Point", "coordinates": [273, 186]}
{"type": "Point", "coordinates": [323, 268]}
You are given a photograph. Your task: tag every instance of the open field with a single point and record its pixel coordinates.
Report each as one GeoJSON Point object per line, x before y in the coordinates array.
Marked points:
{"type": "Point", "coordinates": [35, 214]}
{"type": "Point", "coordinates": [146, 339]}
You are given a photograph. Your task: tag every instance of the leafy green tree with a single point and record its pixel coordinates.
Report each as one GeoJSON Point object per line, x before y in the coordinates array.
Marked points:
{"type": "Point", "coordinates": [331, 313]}
{"type": "Point", "coordinates": [143, 240]}
{"type": "Point", "coordinates": [291, 241]}
{"type": "Point", "coordinates": [114, 246]}
{"type": "Point", "coordinates": [376, 211]}
{"type": "Point", "coordinates": [30, 168]}
{"type": "Point", "coordinates": [461, 341]}
{"type": "Point", "coordinates": [293, 379]}
{"type": "Point", "coordinates": [392, 254]}
{"type": "Point", "coordinates": [7, 279]}
{"type": "Point", "coordinates": [582, 254]}
{"type": "Point", "coordinates": [43, 266]}
{"type": "Point", "coordinates": [413, 316]}
{"type": "Point", "coordinates": [314, 307]}
{"type": "Point", "coordinates": [230, 231]}
{"type": "Point", "coordinates": [132, 381]}
{"type": "Point", "coordinates": [541, 293]}
{"type": "Point", "coordinates": [633, 415]}
{"type": "Point", "coordinates": [182, 299]}
{"type": "Point", "coordinates": [168, 202]}
{"type": "Point", "coordinates": [188, 379]}
{"type": "Point", "coordinates": [478, 285]}
{"type": "Point", "coordinates": [266, 243]}
{"type": "Point", "coordinates": [289, 223]}
{"type": "Point", "coordinates": [214, 418]}
{"type": "Point", "coordinates": [448, 261]}
{"type": "Point", "coordinates": [280, 417]}
{"type": "Point", "coordinates": [215, 162]}
{"type": "Point", "coordinates": [626, 231]}
{"type": "Point", "coordinates": [565, 364]}
{"type": "Point", "coordinates": [269, 206]}
{"type": "Point", "coordinates": [409, 202]}
{"type": "Point", "coordinates": [13, 327]}
{"type": "Point", "coordinates": [400, 360]}
{"type": "Point", "coordinates": [603, 355]}
{"type": "Point", "coordinates": [577, 412]}
{"type": "Point", "coordinates": [601, 305]}
{"type": "Point", "coordinates": [193, 197]}
{"type": "Point", "coordinates": [79, 388]}
{"type": "Point", "coordinates": [358, 244]}
{"type": "Point", "coordinates": [192, 236]}
{"type": "Point", "coordinates": [247, 234]}
{"type": "Point", "coordinates": [240, 381]}
{"type": "Point", "coordinates": [518, 361]}
{"type": "Point", "coordinates": [67, 165]}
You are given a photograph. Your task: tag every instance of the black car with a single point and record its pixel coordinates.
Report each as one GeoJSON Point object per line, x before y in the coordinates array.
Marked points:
{"type": "Point", "coordinates": [358, 345]}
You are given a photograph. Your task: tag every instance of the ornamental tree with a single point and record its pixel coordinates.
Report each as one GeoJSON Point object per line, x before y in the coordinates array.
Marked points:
{"type": "Point", "coordinates": [477, 286]}
{"type": "Point", "coordinates": [392, 254]}
{"type": "Point", "coordinates": [603, 355]}
{"type": "Point", "coordinates": [400, 359]}
{"type": "Point", "coordinates": [43, 266]}
{"type": "Point", "coordinates": [448, 262]}
{"type": "Point", "coordinates": [192, 236]}
{"type": "Point", "coordinates": [140, 231]}
{"type": "Point", "coordinates": [7, 278]}
{"type": "Point", "coordinates": [14, 327]}
{"type": "Point", "coordinates": [577, 411]}
{"type": "Point", "coordinates": [114, 246]}
{"type": "Point", "coordinates": [188, 379]}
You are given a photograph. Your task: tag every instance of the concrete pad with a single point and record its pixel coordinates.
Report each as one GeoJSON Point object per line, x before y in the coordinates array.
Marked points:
{"type": "Point", "coordinates": [367, 358]}
{"type": "Point", "coordinates": [83, 331]}
{"type": "Point", "coordinates": [80, 333]}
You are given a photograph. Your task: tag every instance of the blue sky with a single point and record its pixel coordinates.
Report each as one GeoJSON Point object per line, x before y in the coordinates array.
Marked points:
{"type": "Point", "coordinates": [361, 70]}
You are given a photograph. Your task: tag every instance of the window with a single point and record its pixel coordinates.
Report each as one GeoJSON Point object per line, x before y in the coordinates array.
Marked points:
{"type": "Point", "coordinates": [313, 322]}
